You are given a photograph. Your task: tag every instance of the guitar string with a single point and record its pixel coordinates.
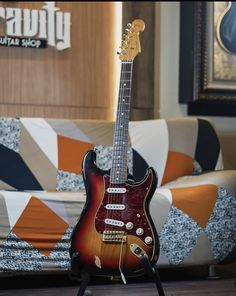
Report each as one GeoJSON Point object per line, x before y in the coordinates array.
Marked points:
{"type": "Point", "coordinates": [122, 126]}
{"type": "Point", "coordinates": [124, 132]}
{"type": "Point", "coordinates": [118, 160]}
{"type": "Point", "coordinates": [112, 182]}
{"type": "Point", "coordinates": [125, 123]}
{"type": "Point", "coordinates": [121, 137]}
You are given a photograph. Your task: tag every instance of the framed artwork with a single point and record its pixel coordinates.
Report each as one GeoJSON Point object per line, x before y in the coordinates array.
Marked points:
{"type": "Point", "coordinates": [207, 77]}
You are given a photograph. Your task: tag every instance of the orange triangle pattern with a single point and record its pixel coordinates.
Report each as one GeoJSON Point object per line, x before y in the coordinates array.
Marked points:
{"type": "Point", "coordinates": [71, 153]}
{"type": "Point", "coordinates": [177, 165]}
{"type": "Point", "coordinates": [40, 226]}
{"type": "Point", "coordinates": [197, 201]}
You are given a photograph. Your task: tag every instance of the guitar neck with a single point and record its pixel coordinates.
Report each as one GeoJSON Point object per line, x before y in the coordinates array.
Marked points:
{"type": "Point", "coordinates": [120, 145]}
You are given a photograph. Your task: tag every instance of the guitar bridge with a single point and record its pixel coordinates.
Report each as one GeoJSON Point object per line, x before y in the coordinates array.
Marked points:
{"type": "Point", "coordinates": [110, 236]}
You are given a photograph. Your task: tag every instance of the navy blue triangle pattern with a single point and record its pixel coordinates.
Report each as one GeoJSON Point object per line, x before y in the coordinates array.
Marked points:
{"type": "Point", "coordinates": [208, 146]}
{"type": "Point", "coordinates": [15, 172]}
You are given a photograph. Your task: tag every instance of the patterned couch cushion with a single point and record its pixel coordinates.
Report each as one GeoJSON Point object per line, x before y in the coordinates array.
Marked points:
{"type": "Point", "coordinates": [47, 154]}
{"type": "Point", "coordinates": [41, 155]}
{"type": "Point", "coordinates": [176, 147]}
{"type": "Point", "coordinates": [195, 219]}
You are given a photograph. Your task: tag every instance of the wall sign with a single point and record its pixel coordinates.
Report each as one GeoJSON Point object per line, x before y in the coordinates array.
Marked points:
{"type": "Point", "coordinates": [36, 28]}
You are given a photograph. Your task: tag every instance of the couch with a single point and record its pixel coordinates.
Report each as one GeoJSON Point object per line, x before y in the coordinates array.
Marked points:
{"type": "Point", "coordinates": [42, 191]}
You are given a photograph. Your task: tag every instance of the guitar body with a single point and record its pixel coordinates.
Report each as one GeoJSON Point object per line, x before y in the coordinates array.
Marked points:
{"type": "Point", "coordinates": [102, 248]}
{"type": "Point", "coordinates": [226, 28]}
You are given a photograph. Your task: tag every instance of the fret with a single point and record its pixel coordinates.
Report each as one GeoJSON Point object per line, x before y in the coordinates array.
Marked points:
{"type": "Point", "coordinates": [120, 144]}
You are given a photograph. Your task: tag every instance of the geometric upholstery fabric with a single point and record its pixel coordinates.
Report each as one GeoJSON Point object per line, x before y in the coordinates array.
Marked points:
{"type": "Point", "coordinates": [16, 173]}
{"type": "Point", "coordinates": [71, 153]}
{"type": "Point", "coordinates": [207, 137]}
{"type": "Point", "coordinates": [197, 202]}
{"type": "Point", "coordinates": [43, 228]}
{"type": "Point", "coordinates": [221, 227]}
{"type": "Point", "coordinates": [177, 164]}
{"type": "Point", "coordinates": [210, 220]}
{"type": "Point", "coordinates": [46, 154]}
{"type": "Point", "coordinates": [40, 226]}
{"type": "Point", "coordinates": [10, 133]}
{"type": "Point", "coordinates": [42, 190]}
{"type": "Point", "coordinates": [178, 236]}
{"type": "Point", "coordinates": [40, 161]}
{"type": "Point", "coordinates": [37, 238]}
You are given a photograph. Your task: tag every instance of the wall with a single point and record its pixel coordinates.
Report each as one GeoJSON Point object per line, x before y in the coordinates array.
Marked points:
{"type": "Point", "coordinates": [167, 78]}
{"type": "Point", "coordinates": [142, 102]}
{"type": "Point", "coordinates": [78, 82]}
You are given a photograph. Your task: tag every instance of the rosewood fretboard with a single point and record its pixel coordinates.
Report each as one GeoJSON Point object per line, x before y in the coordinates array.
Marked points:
{"type": "Point", "coordinates": [120, 144]}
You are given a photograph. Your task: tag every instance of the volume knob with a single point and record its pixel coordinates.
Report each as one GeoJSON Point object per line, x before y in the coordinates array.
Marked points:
{"type": "Point", "coordinates": [148, 240]}
{"type": "Point", "coordinates": [129, 225]}
{"type": "Point", "coordinates": [139, 231]}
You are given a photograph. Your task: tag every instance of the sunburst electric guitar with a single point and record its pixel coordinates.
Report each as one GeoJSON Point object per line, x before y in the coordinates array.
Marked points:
{"type": "Point", "coordinates": [115, 225]}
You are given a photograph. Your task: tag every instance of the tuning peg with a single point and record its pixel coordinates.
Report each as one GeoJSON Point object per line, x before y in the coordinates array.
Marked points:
{"type": "Point", "coordinates": [129, 25]}
{"type": "Point", "coordinates": [127, 30]}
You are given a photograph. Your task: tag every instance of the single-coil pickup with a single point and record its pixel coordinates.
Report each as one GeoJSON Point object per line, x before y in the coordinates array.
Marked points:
{"type": "Point", "coordinates": [115, 207]}
{"type": "Point", "coordinates": [116, 190]}
{"type": "Point", "coordinates": [114, 222]}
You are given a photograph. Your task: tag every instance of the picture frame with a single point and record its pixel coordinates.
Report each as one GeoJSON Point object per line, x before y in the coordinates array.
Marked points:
{"type": "Point", "coordinates": [207, 72]}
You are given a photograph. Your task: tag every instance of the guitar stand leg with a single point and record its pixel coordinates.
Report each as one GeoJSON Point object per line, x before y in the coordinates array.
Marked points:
{"type": "Point", "coordinates": [82, 289]}
{"type": "Point", "coordinates": [152, 272]}
{"type": "Point", "coordinates": [78, 274]}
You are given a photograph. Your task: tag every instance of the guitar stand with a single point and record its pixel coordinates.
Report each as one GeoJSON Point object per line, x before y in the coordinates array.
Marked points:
{"type": "Point", "coordinates": [82, 276]}
{"type": "Point", "coordinates": [82, 289]}
{"type": "Point", "coordinates": [152, 272]}
{"type": "Point", "coordinates": [85, 276]}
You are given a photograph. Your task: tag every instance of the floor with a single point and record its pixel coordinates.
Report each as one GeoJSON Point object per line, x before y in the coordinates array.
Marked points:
{"type": "Point", "coordinates": [176, 282]}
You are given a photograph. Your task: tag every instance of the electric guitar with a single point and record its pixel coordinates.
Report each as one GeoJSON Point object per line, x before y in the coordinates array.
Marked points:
{"type": "Point", "coordinates": [115, 226]}
{"type": "Point", "coordinates": [226, 28]}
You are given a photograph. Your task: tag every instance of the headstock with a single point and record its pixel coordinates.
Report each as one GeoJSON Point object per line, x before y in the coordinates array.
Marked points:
{"type": "Point", "coordinates": [131, 44]}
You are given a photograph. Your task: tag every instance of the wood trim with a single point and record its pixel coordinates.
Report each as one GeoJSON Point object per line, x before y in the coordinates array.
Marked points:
{"type": "Point", "coordinates": [68, 83]}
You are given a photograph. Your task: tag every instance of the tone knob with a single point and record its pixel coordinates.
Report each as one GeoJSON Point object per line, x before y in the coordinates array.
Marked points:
{"type": "Point", "coordinates": [148, 240]}
{"type": "Point", "coordinates": [139, 231]}
{"type": "Point", "coordinates": [129, 225]}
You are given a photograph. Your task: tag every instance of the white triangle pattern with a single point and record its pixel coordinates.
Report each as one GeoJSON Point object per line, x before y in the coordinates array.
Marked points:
{"type": "Point", "coordinates": [155, 150]}
{"type": "Point", "coordinates": [15, 203]}
{"type": "Point", "coordinates": [44, 135]}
